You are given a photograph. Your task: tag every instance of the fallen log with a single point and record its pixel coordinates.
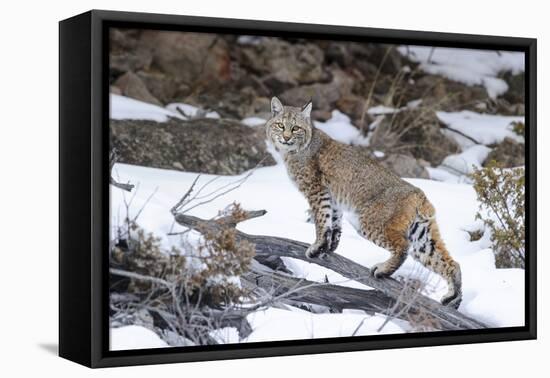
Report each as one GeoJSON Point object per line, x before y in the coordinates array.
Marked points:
{"type": "Point", "coordinates": [448, 318]}
{"type": "Point", "coordinates": [334, 297]}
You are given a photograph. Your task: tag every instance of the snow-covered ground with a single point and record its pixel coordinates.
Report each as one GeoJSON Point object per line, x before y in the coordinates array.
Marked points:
{"type": "Point", "coordinates": [134, 337]}
{"type": "Point", "coordinates": [468, 66]}
{"type": "Point", "coordinates": [494, 296]}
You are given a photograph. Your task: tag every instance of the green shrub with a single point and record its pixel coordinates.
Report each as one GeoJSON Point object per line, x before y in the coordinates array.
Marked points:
{"type": "Point", "coordinates": [501, 193]}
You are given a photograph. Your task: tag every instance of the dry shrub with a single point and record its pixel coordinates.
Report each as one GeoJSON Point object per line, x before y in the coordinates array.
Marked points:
{"type": "Point", "coordinates": [191, 291]}
{"type": "Point", "coordinates": [501, 193]}
{"type": "Point", "coordinates": [518, 128]}
{"type": "Point", "coordinates": [209, 270]}
{"type": "Point", "coordinates": [224, 258]}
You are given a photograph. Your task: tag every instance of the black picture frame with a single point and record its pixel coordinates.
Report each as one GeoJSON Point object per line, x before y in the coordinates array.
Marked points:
{"type": "Point", "coordinates": [84, 191]}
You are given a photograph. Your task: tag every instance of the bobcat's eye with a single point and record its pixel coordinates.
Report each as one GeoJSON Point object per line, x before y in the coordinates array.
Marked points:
{"type": "Point", "coordinates": [280, 126]}
{"type": "Point", "coordinates": [295, 128]}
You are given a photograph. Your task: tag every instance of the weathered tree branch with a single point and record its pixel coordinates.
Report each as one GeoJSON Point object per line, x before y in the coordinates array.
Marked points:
{"type": "Point", "coordinates": [444, 126]}
{"type": "Point", "coordinates": [335, 297]}
{"type": "Point", "coordinates": [266, 246]}
{"type": "Point", "coordinates": [113, 157]}
{"type": "Point", "coordinates": [221, 318]}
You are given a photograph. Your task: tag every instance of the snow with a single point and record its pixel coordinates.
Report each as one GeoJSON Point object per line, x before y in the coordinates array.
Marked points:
{"type": "Point", "coordinates": [483, 283]}
{"type": "Point", "coordinates": [468, 66]}
{"type": "Point", "coordinates": [123, 107]}
{"type": "Point", "coordinates": [134, 337]}
{"type": "Point", "coordinates": [339, 127]}
{"type": "Point", "coordinates": [484, 128]}
{"type": "Point", "coordinates": [495, 296]}
{"type": "Point", "coordinates": [465, 162]}
{"type": "Point", "coordinates": [189, 111]}
{"type": "Point", "coordinates": [276, 324]}
{"type": "Point", "coordinates": [253, 121]}
{"type": "Point", "coordinates": [127, 108]}
{"type": "Point", "coordinates": [249, 39]}
{"type": "Point", "coordinates": [381, 109]}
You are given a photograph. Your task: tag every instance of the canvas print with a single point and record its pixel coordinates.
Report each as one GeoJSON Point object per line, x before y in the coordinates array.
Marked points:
{"type": "Point", "coordinates": [276, 189]}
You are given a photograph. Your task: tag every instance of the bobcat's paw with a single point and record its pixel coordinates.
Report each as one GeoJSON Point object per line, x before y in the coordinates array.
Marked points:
{"type": "Point", "coordinates": [320, 246]}
{"type": "Point", "coordinates": [334, 239]}
{"type": "Point", "coordinates": [380, 270]}
{"type": "Point", "coordinates": [452, 299]}
{"type": "Point", "coordinates": [313, 251]}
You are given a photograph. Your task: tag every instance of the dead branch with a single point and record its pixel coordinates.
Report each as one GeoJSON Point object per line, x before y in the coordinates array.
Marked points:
{"type": "Point", "coordinates": [446, 127]}
{"type": "Point", "coordinates": [188, 201]}
{"type": "Point", "coordinates": [448, 318]}
{"type": "Point", "coordinates": [207, 317]}
{"type": "Point", "coordinates": [113, 157]}
{"type": "Point", "coordinates": [335, 297]}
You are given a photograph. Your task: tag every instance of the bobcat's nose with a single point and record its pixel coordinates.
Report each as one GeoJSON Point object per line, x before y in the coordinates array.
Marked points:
{"type": "Point", "coordinates": [286, 137]}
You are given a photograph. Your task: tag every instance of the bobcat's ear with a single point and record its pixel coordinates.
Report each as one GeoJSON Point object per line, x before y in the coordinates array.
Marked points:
{"type": "Point", "coordinates": [306, 109]}
{"type": "Point", "coordinates": [276, 106]}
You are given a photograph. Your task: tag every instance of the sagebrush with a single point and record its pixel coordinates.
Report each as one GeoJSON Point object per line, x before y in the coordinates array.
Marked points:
{"type": "Point", "coordinates": [501, 193]}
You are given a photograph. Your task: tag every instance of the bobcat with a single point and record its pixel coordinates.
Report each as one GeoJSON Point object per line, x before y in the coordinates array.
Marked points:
{"type": "Point", "coordinates": [335, 177]}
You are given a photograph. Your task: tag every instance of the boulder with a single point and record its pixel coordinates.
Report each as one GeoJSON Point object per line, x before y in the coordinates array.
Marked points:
{"type": "Point", "coordinates": [405, 166]}
{"type": "Point", "coordinates": [125, 53]}
{"type": "Point", "coordinates": [516, 87]}
{"type": "Point", "coordinates": [215, 146]}
{"type": "Point", "coordinates": [366, 57]}
{"type": "Point", "coordinates": [162, 86]}
{"type": "Point", "coordinates": [200, 60]}
{"type": "Point", "coordinates": [131, 85]}
{"type": "Point", "coordinates": [352, 105]}
{"type": "Point", "coordinates": [282, 64]}
{"type": "Point", "coordinates": [444, 94]}
{"type": "Point", "coordinates": [323, 95]}
{"type": "Point", "coordinates": [414, 131]}
{"type": "Point", "coordinates": [509, 153]}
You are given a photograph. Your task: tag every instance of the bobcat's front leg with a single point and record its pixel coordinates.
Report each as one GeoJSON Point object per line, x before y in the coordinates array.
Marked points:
{"type": "Point", "coordinates": [321, 210]}
{"type": "Point", "coordinates": [336, 226]}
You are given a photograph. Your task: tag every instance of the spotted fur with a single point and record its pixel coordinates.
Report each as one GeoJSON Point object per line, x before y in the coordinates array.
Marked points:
{"type": "Point", "coordinates": [388, 210]}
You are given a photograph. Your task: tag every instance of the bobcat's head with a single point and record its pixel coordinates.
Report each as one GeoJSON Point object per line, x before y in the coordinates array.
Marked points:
{"type": "Point", "coordinates": [289, 128]}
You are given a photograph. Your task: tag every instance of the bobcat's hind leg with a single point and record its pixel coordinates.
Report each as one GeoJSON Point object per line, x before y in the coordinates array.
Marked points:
{"type": "Point", "coordinates": [433, 254]}
{"type": "Point", "coordinates": [397, 245]}
{"type": "Point", "coordinates": [428, 247]}
{"type": "Point", "coordinates": [391, 238]}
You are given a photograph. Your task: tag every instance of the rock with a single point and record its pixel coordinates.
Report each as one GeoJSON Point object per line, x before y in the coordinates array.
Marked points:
{"type": "Point", "coordinates": [283, 65]}
{"type": "Point", "coordinates": [321, 115]}
{"type": "Point", "coordinates": [405, 166]}
{"type": "Point", "coordinates": [323, 95]}
{"type": "Point", "coordinates": [352, 105]}
{"type": "Point", "coordinates": [509, 152]}
{"type": "Point", "coordinates": [125, 53]}
{"type": "Point", "coordinates": [516, 87]}
{"type": "Point", "coordinates": [196, 59]}
{"type": "Point", "coordinates": [162, 86]}
{"type": "Point", "coordinates": [444, 94]}
{"type": "Point", "coordinates": [123, 39]}
{"type": "Point", "coordinates": [115, 90]}
{"type": "Point", "coordinates": [119, 63]}
{"type": "Point", "coordinates": [131, 85]}
{"type": "Point", "coordinates": [413, 131]}
{"type": "Point", "coordinates": [502, 106]}
{"type": "Point", "coordinates": [215, 146]}
{"type": "Point", "coordinates": [367, 57]}
{"type": "Point", "coordinates": [236, 104]}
